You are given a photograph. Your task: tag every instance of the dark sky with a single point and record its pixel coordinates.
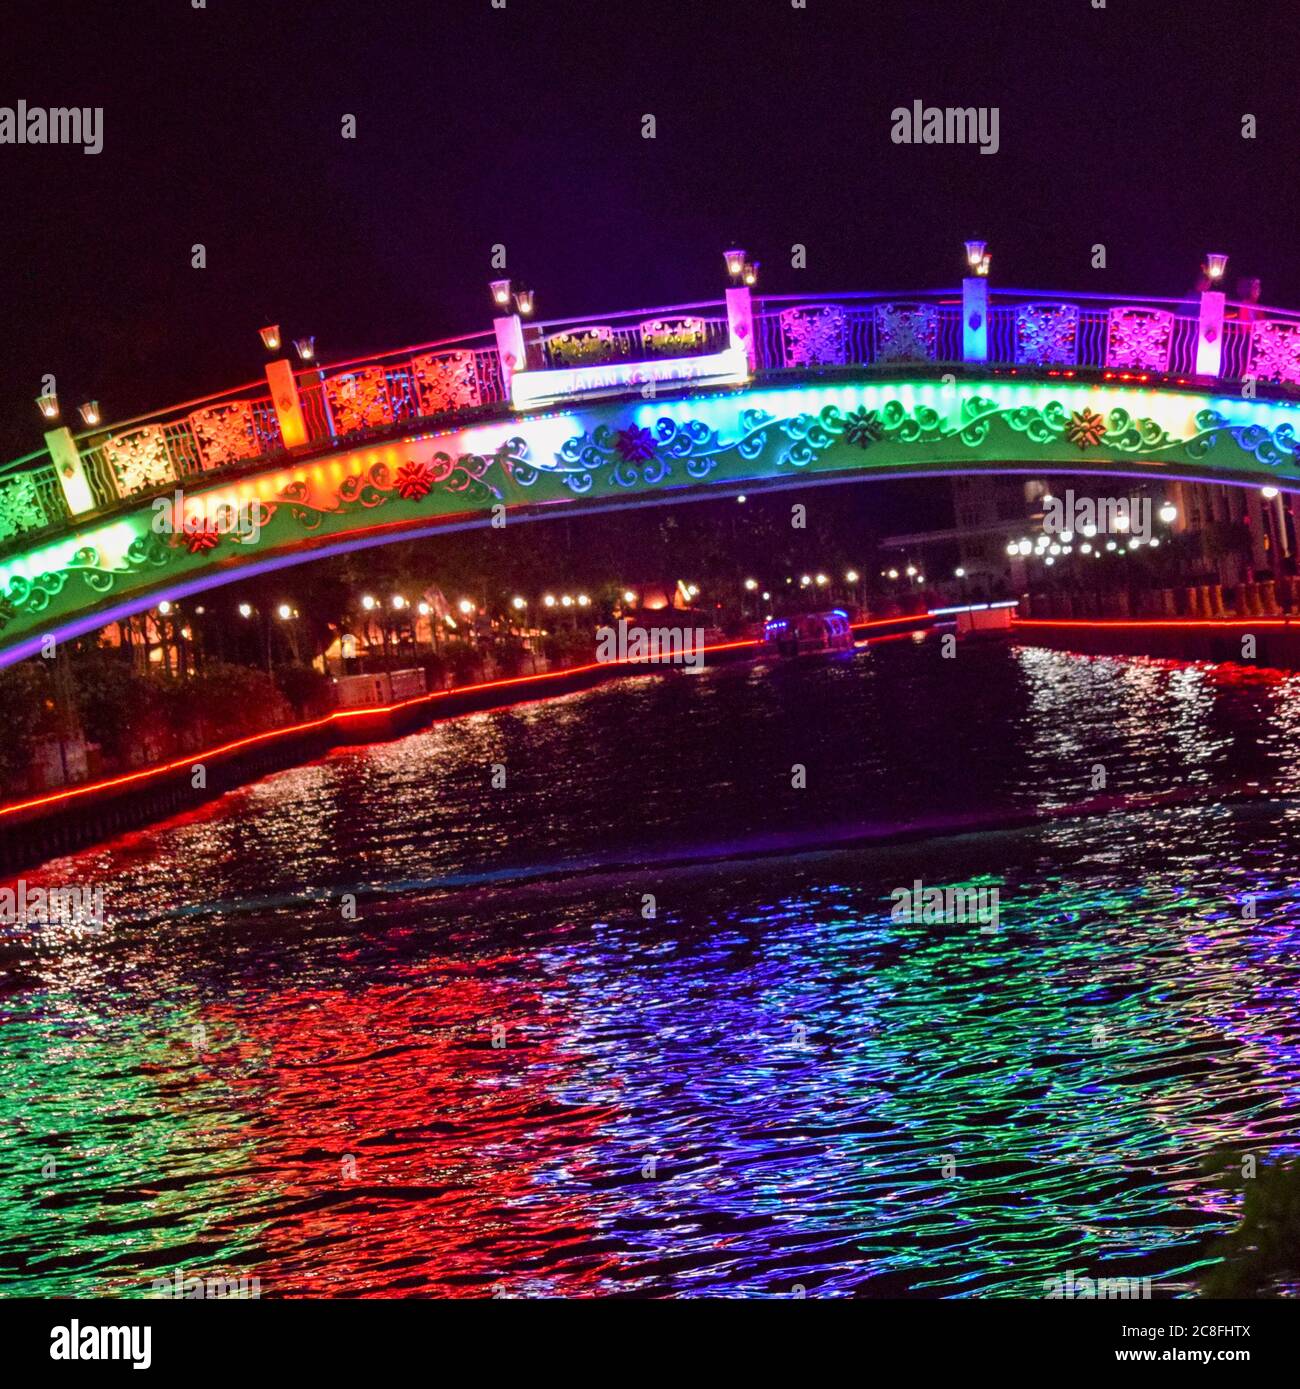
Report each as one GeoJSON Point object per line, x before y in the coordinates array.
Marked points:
{"type": "Point", "coordinates": [523, 126]}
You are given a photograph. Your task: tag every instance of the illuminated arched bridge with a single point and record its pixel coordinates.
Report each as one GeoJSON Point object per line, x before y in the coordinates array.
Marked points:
{"type": "Point", "coordinates": [534, 419]}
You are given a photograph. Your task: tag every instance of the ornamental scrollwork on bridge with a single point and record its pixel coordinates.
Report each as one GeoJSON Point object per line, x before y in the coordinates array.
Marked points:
{"type": "Point", "coordinates": [634, 456]}
{"type": "Point", "coordinates": [34, 595]}
{"type": "Point", "coordinates": [1272, 447]}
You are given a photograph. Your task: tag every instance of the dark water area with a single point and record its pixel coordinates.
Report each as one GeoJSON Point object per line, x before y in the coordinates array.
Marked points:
{"type": "Point", "coordinates": [379, 1027]}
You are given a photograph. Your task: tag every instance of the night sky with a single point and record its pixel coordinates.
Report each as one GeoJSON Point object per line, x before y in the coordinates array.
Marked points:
{"type": "Point", "coordinates": [523, 126]}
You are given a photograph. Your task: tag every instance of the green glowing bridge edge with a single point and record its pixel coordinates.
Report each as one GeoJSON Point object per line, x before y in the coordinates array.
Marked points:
{"type": "Point", "coordinates": [607, 454]}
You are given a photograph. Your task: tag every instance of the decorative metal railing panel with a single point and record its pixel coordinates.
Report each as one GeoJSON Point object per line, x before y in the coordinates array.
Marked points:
{"type": "Point", "coordinates": [358, 400]}
{"type": "Point", "coordinates": [907, 333]}
{"type": "Point", "coordinates": [446, 381]}
{"type": "Point", "coordinates": [1139, 339]}
{"type": "Point", "coordinates": [814, 335]}
{"type": "Point", "coordinates": [139, 460]}
{"type": "Point", "coordinates": [583, 347]}
{"type": "Point", "coordinates": [99, 476]}
{"type": "Point", "coordinates": [674, 337]}
{"type": "Point", "coordinates": [226, 434]}
{"type": "Point", "coordinates": [22, 509]}
{"type": "Point", "coordinates": [1047, 335]}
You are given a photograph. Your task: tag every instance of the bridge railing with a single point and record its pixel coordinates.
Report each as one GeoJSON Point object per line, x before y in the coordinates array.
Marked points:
{"type": "Point", "coordinates": [346, 402]}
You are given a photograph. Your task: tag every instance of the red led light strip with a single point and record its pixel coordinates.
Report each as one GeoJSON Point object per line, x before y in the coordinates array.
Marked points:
{"type": "Point", "coordinates": [1104, 623]}
{"type": "Point", "coordinates": [369, 711]}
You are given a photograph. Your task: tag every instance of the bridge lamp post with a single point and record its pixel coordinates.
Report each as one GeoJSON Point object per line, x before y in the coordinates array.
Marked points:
{"type": "Point", "coordinates": [89, 412]}
{"type": "Point", "coordinates": [48, 405]}
{"type": "Point", "coordinates": [305, 348]}
{"type": "Point", "coordinates": [512, 351]}
{"type": "Point", "coordinates": [740, 305]}
{"type": "Point", "coordinates": [1209, 332]}
{"type": "Point", "coordinates": [284, 391]}
{"type": "Point", "coordinates": [975, 304]}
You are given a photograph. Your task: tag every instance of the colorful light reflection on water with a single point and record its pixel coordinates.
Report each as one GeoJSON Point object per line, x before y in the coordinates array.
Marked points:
{"type": "Point", "coordinates": [503, 1078]}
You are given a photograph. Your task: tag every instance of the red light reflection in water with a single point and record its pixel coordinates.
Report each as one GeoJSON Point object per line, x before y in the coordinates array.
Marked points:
{"type": "Point", "coordinates": [404, 1078]}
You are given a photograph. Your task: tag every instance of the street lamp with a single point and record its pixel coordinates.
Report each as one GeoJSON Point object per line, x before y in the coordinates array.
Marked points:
{"type": "Point", "coordinates": [270, 337]}
{"type": "Point", "coordinates": [851, 577]}
{"type": "Point", "coordinates": [285, 612]}
{"type": "Point", "coordinates": [519, 603]}
{"type": "Point", "coordinates": [501, 293]}
{"type": "Point", "coordinates": [1168, 513]}
{"type": "Point", "coordinates": [465, 606]}
{"type": "Point", "coordinates": [1215, 265]}
{"type": "Point", "coordinates": [583, 600]}
{"type": "Point", "coordinates": [977, 258]}
{"type": "Point", "coordinates": [367, 602]}
{"type": "Point", "coordinates": [735, 263]}
{"type": "Point", "coordinates": [245, 610]}
{"type": "Point", "coordinates": [398, 601]}
{"type": "Point", "coordinates": [524, 302]}
{"type": "Point", "coordinates": [48, 405]}
{"type": "Point", "coordinates": [549, 600]}
{"type": "Point", "coordinates": [629, 597]}
{"type": "Point", "coordinates": [751, 584]}
{"type": "Point", "coordinates": [89, 412]}
{"type": "Point", "coordinates": [750, 272]}
{"type": "Point", "coordinates": [305, 348]}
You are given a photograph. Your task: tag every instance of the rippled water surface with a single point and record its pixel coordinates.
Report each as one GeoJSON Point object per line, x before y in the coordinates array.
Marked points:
{"type": "Point", "coordinates": [375, 1027]}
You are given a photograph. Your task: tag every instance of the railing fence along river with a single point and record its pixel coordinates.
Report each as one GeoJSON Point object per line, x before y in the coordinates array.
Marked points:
{"type": "Point", "coordinates": [1180, 341]}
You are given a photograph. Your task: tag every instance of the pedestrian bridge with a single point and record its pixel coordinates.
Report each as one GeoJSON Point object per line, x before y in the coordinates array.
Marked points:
{"type": "Point", "coordinates": [691, 401]}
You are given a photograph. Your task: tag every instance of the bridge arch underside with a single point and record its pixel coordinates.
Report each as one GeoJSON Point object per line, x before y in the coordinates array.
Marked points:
{"type": "Point", "coordinates": [632, 452]}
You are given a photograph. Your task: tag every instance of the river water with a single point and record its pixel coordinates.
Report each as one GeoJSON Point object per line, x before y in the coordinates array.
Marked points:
{"type": "Point", "coordinates": [642, 1020]}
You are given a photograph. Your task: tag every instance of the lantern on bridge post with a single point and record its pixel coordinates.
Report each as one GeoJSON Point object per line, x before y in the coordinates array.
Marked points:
{"type": "Point", "coordinates": [512, 350]}
{"type": "Point", "coordinates": [284, 391]}
{"type": "Point", "coordinates": [975, 304]}
{"type": "Point", "coordinates": [740, 304]}
{"type": "Point", "coordinates": [1209, 329]}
